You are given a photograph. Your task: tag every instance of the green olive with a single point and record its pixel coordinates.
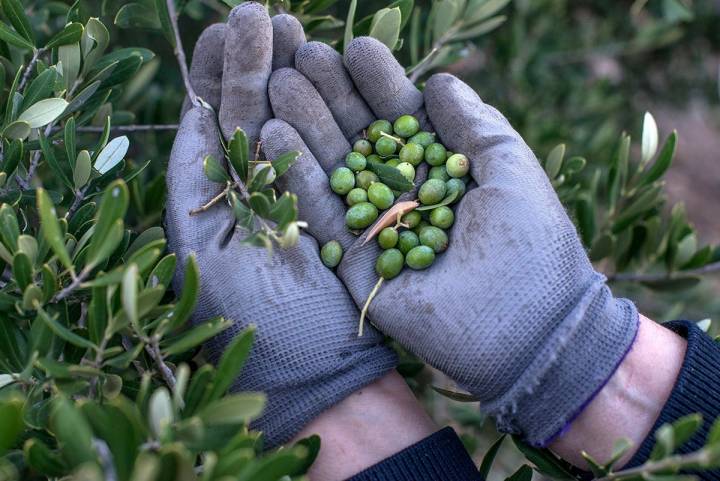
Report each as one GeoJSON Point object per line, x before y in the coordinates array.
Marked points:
{"type": "Point", "coordinates": [435, 154]}
{"type": "Point", "coordinates": [438, 172]}
{"type": "Point", "coordinates": [454, 185]}
{"type": "Point", "coordinates": [432, 191]}
{"type": "Point", "coordinates": [458, 165]}
{"type": "Point", "coordinates": [406, 126]}
{"type": "Point", "coordinates": [376, 127]}
{"type": "Point", "coordinates": [361, 215]}
{"type": "Point", "coordinates": [331, 254]}
{"type": "Point", "coordinates": [374, 158]}
{"type": "Point", "coordinates": [364, 178]}
{"type": "Point", "coordinates": [434, 238]}
{"type": "Point", "coordinates": [394, 162]}
{"type": "Point", "coordinates": [420, 257]}
{"type": "Point", "coordinates": [423, 224]}
{"type": "Point", "coordinates": [412, 154]}
{"type": "Point", "coordinates": [389, 264]}
{"type": "Point", "coordinates": [363, 146]}
{"type": "Point", "coordinates": [388, 238]}
{"type": "Point", "coordinates": [423, 138]}
{"type": "Point", "coordinates": [411, 219]}
{"type": "Point", "coordinates": [407, 170]}
{"type": "Point", "coordinates": [385, 147]}
{"type": "Point", "coordinates": [356, 196]}
{"type": "Point", "coordinates": [380, 195]}
{"type": "Point", "coordinates": [442, 217]}
{"type": "Point", "coordinates": [342, 180]}
{"type": "Point", "coordinates": [355, 161]}
{"type": "Point", "coordinates": [407, 240]}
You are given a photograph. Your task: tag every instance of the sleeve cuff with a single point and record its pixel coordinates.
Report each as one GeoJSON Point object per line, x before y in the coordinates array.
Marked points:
{"type": "Point", "coordinates": [440, 457]}
{"type": "Point", "coordinates": [696, 390]}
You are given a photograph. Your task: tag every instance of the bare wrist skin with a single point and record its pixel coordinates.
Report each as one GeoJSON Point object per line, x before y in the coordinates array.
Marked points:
{"type": "Point", "coordinates": [630, 402]}
{"type": "Point", "coordinates": [368, 426]}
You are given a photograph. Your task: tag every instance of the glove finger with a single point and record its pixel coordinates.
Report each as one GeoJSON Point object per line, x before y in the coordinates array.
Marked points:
{"type": "Point", "coordinates": [295, 100]}
{"type": "Point", "coordinates": [188, 188]}
{"type": "Point", "coordinates": [248, 64]}
{"type": "Point", "coordinates": [467, 125]}
{"type": "Point", "coordinates": [206, 67]}
{"type": "Point", "coordinates": [381, 79]}
{"type": "Point", "coordinates": [318, 205]}
{"type": "Point", "coordinates": [323, 66]}
{"type": "Point", "coordinates": [288, 37]}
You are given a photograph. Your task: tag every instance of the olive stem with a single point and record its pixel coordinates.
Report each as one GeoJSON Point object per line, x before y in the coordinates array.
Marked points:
{"type": "Point", "coordinates": [212, 202]}
{"type": "Point", "coordinates": [396, 139]}
{"type": "Point", "coordinates": [365, 308]}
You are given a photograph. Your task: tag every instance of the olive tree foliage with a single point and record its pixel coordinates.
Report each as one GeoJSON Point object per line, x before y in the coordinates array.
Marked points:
{"type": "Point", "coordinates": [101, 376]}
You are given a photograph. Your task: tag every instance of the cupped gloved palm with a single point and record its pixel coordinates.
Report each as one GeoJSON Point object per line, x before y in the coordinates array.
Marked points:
{"type": "Point", "coordinates": [306, 356]}
{"type": "Point", "coordinates": [513, 310]}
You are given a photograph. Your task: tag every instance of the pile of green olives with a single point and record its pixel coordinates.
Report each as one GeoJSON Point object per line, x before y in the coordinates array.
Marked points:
{"type": "Point", "coordinates": [420, 234]}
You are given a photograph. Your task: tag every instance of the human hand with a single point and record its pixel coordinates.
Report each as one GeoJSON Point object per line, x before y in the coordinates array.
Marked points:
{"type": "Point", "coordinates": [306, 356]}
{"type": "Point", "coordinates": [513, 311]}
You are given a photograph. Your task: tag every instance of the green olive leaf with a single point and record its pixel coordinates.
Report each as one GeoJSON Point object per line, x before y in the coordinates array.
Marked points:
{"type": "Point", "coordinates": [51, 230]}
{"type": "Point", "coordinates": [10, 36]}
{"type": "Point", "coordinates": [449, 199]}
{"type": "Point", "coordinates": [44, 112]}
{"type": "Point", "coordinates": [188, 297]}
{"type": "Point", "coordinates": [662, 163]}
{"type": "Point", "coordinates": [112, 154]}
{"type": "Point", "coordinates": [108, 223]}
{"type": "Point", "coordinates": [234, 409]}
{"type": "Point", "coordinates": [22, 270]}
{"type": "Point", "coordinates": [70, 57]}
{"type": "Point", "coordinates": [15, 12]}
{"type": "Point", "coordinates": [390, 176]}
{"type": "Point", "coordinates": [18, 130]}
{"type": "Point", "coordinates": [213, 171]}
{"type": "Point", "coordinates": [385, 26]}
{"type": "Point", "coordinates": [165, 23]}
{"type": "Point", "coordinates": [72, 33]}
{"type": "Point", "coordinates": [238, 153]}
{"type": "Point", "coordinates": [83, 169]}
{"type": "Point", "coordinates": [194, 337]}
{"type": "Point", "coordinates": [285, 161]}
{"type": "Point", "coordinates": [62, 331]}
{"type": "Point", "coordinates": [349, 23]}
{"type": "Point", "coordinates": [40, 88]}
{"type": "Point", "coordinates": [480, 29]}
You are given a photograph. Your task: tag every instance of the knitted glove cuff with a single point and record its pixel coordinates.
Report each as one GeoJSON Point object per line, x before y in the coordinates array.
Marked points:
{"type": "Point", "coordinates": [574, 364]}
{"type": "Point", "coordinates": [290, 408]}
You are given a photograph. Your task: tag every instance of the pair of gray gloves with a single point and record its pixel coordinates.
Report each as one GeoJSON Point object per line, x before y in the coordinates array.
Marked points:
{"type": "Point", "coordinates": [513, 311]}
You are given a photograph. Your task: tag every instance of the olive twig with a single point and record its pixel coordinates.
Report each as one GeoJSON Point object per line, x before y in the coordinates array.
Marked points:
{"type": "Point", "coordinates": [396, 139]}
{"type": "Point", "coordinates": [365, 308]}
{"type": "Point", "coordinates": [213, 201]}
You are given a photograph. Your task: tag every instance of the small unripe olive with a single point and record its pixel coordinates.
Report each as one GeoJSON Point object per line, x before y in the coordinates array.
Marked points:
{"type": "Point", "coordinates": [388, 238]}
{"type": "Point", "coordinates": [420, 257]}
{"type": "Point", "coordinates": [411, 219]}
{"type": "Point", "coordinates": [356, 196]}
{"type": "Point", "coordinates": [364, 178]}
{"type": "Point", "coordinates": [374, 158]}
{"type": "Point", "coordinates": [342, 180]}
{"type": "Point", "coordinates": [455, 185]}
{"type": "Point", "coordinates": [331, 254]}
{"type": "Point", "coordinates": [435, 154]}
{"type": "Point", "coordinates": [457, 165]}
{"type": "Point", "coordinates": [363, 146]}
{"type": "Point", "coordinates": [394, 162]}
{"type": "Point", "coordinates": [377, 127]}
{"type": "Point", "coordinates": [407, 240]}
{"type": "Point", "coordinates": [421, 225]}
{"type": "Point", "coordinates": [389, 264]}
{"type": "Point", "coordinates": [435, 238]}
{"type": "Point", "coordinates": [406, 126]}
{"type": "Point", "coordinates": [361, 215]}
{"type": "Point", "coordinates": [442, 217]}
{"type": "Point", "coordinates": [380, 195]}
{"type": "Point", "coordinates": [385, 147]}
{"type": "Point", "coordinates": [412, 154]}
{"type": "Point", "coordinates": [432, 191]}
{"type": "Point", "coordinates": [438, 172]}
{"type": "Point", "coordinates": [407, 170]}
{"type": "Point", "coordinates": [355, 161]}
{"type": "Point", "coordinates": [423, 138]}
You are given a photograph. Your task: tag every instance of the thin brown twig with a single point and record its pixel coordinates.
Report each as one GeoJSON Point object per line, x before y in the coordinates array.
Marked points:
{"type": "Point", "coordinates": [71, 287]}
{"type": "Point", "coordinates": [640, 277]}
{"type": "Point", "coordinates": [30, 67]}
{"type": "Point", "coordinates": [125, 128]}
{"type": "Point", "coordinates": [79, 196]}
{"type": "Point", "coordinates": [153, 349]}
{"type": "Point", "coordinates": [180, 54]}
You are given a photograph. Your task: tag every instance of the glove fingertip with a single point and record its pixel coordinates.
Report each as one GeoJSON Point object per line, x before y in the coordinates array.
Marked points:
{"type": "Point", "coordinates": [288, 37]}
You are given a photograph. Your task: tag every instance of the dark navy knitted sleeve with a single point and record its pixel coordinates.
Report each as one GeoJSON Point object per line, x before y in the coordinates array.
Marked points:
{"type": "Point", "coordinates": [442, 456]}
{"type": "Point", "coordinates": [439, 457]}
{"type": "Point", "coordinates": [697, 390]}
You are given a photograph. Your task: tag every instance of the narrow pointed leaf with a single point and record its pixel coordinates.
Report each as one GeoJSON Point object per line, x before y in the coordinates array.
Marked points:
{"type": "Point", "coordinates": [51, 228]}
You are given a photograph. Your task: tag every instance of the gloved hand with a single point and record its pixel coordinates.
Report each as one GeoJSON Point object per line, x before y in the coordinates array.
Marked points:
{"type": "Point", "coordinates": [513, 310]}
{"type": "Point", "coordinates": [306, 356]}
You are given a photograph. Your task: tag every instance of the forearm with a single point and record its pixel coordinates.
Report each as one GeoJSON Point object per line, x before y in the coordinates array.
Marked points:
{"type": "Point", "coordinates": [631, 401]}
{"type": "Point", "coordinates": [367, 427]}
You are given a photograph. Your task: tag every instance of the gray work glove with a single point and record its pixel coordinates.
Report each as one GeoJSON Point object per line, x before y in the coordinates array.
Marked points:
{"type": "Point", "coordinates": [306, 356]}
{"type": "Point", "coordinates": [513, 311]}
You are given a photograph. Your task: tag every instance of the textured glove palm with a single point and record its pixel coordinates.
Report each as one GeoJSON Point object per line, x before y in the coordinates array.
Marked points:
{"type": "Point", "coordinates": [306, 356]}
{"type": "Point", "coordinates": [514, 310]}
